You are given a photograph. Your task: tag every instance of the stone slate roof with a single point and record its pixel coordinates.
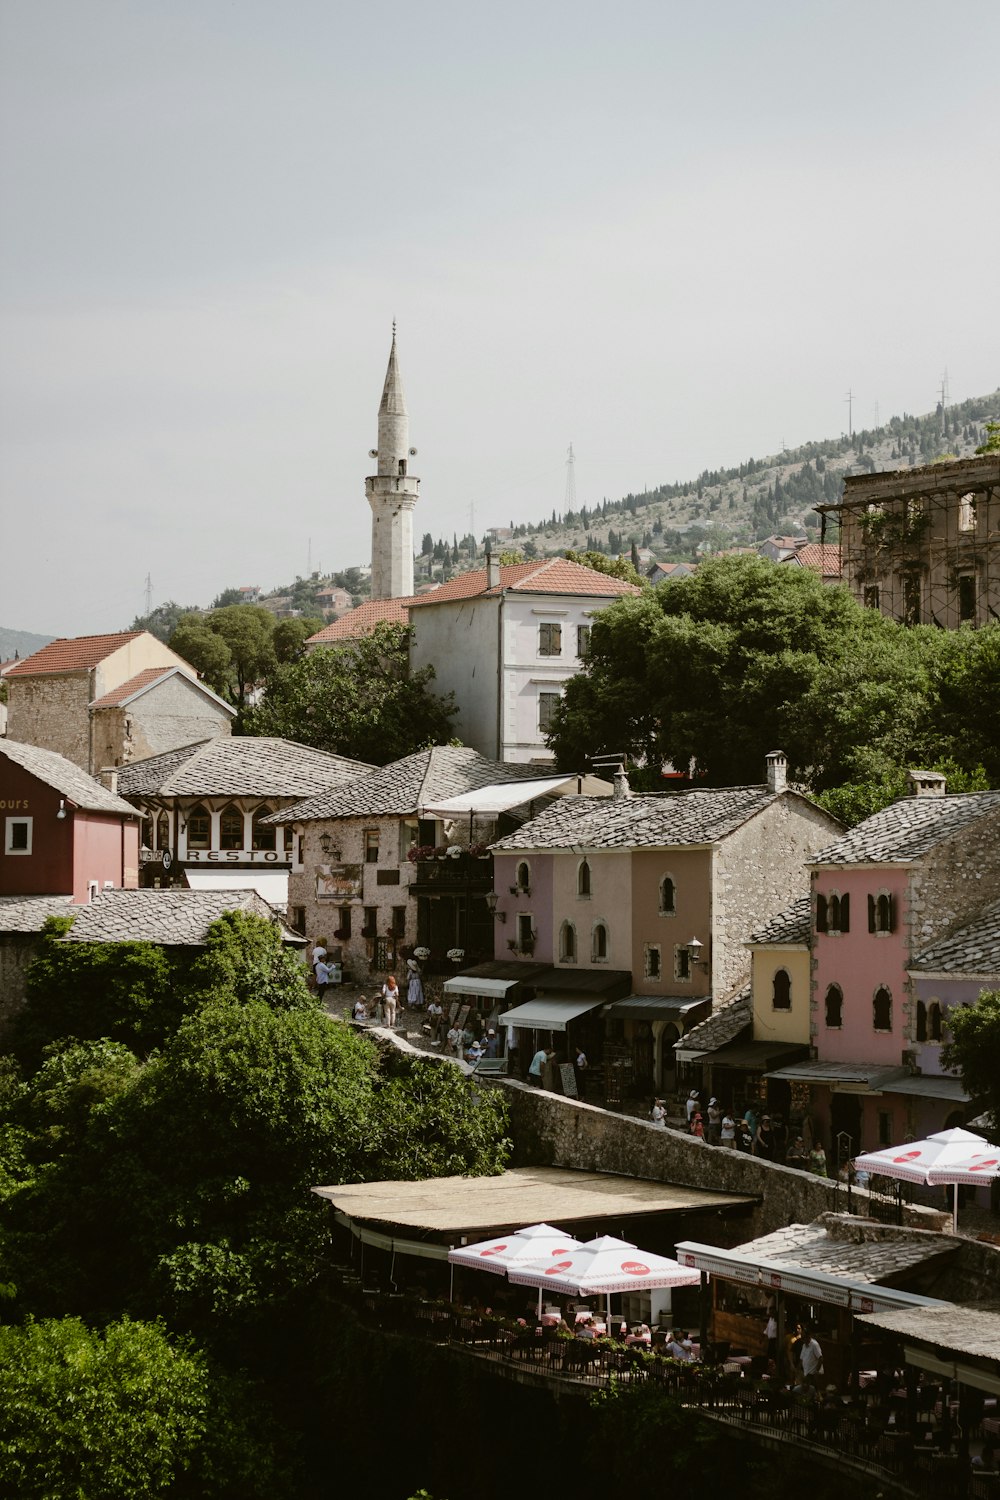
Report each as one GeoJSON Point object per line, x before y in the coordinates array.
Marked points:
{"type": "Point", "coordinates": [974, 949]}
{"type": "Point", "coordinates": [250, 766]}
{"type": "Point", "coordinates": [793, 925]}
{"type": "Point", "coordinates": [404, 786]}
{"type": "Point", "coordinates": [27, 913]}
{"type": "Point", "coordinates": [78, 654]}
{"type": "Point", "coordinates": [65, 778]}
{"type": "Point", "coordinates": [362, 620]}
{"type": "Point", "coordinates": [143, 681]}
{"type": "Point", "coordinates": [174, 917]}
{"type": "Point", "coordinates": [971, 1331]}
{"type": "Point", "coordinates": [554, 575]}
{"type": "Point", "coordinates": [877, 1261]}
{"type": "Point", "coordinates": [654, 822]}
{"type": "Point", "coordinates": [725, 1024]}
{"type": "Point", "coordinates": [908, 829]}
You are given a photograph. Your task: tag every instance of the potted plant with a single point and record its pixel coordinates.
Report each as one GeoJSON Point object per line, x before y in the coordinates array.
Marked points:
{"type": "Point", "coordinates": [479, 851]}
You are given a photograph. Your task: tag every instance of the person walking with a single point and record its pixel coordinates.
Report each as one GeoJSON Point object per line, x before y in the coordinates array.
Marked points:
{"type": "Point", "coordinates": [414, 985]}
{"type": "Point", "coordinates": [658, 1114]}
{"type": "Point", "coordinates": [322, 971]}
{"type": "Point", "coordinates": [690, 1105]}
{"type": "Point", "coordinates": [727, 1131]}
{"type": "Point", "coordinates": [435, 1015]}
{"type": "Point", "coordinates": [536, 1067]}
{"type": "Point", "coordinates": [713, 1128]}
{"type": "Point", "coordinates": [390, 999]}
{"type": "Point", "coordinates": [763, 1145]}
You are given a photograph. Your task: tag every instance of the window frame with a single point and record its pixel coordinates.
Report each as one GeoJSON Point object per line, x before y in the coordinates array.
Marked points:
{"type": "Point", "coordinates": [584, 881]}
{"type": "Point", "coordinates": [683, 967]}
{"type": "Point", "coordinates": [264, 811]}
{"type": "Point", "coordinates": [568, 947]}
{"type": "Point", "coordinates": [550, 638]}
{"type": "Point", "coordinates": [604, 944]}
{"type": "Point", "coordinates": [201, 813]}
{"type": "Point", "coordinates": [878, 993]}
{"type": "Point", "coordinates": [652, 961]}
{"type": "Point", "coordinates": [671, 910]}
{"type": "Point", "coordinates": [838, 1024]}
{"type": "Point", "coordinates": [583, 641]}
{"type": "Point", "coordinates": [370, 844]}
{"type": "Point", "coordinates": [786, 1005]}
{"type": "Point", "coordinates": [19, 820]}
{"type": "Point", "coordinates": [546, 708]}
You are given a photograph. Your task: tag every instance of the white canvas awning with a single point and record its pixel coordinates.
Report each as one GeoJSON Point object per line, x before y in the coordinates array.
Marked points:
{"type": "Point", "coordinates": [470, 984]}
{"type": "Point", "coordinates": [548, 1015]}
{"type": "Point", "coordinates": [490, 800]}
{"type": "Point", "coordinates": [271, 884]}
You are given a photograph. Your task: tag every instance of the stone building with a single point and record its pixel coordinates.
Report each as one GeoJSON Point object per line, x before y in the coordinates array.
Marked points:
{"type": "Point", "coordinates": [104, 700]}
{"type": "Point", "coordinates": [205, 808]}
{"type": "Point", "coordinates": [392, 491]}
{"type": "Point", "coordinates": [923, 545]}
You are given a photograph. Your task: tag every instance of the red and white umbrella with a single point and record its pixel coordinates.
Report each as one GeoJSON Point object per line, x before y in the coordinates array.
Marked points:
{"type": "Point", "coordinates": [603, 1266]}
{"type": "Point", "coordinates": [536, 1242]}
{"type": "Point", "coordinates": [948, 1156]}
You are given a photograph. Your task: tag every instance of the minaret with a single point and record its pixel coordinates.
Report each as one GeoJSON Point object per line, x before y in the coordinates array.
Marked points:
{"type": "Point", "coordinates": [392, 492]}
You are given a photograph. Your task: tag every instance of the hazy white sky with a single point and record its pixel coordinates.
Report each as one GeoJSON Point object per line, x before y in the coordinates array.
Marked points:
{"type": "Point", "coordinates": [672, 234]}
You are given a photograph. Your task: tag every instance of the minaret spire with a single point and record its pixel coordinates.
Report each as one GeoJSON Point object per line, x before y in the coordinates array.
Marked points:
{"type": "Point", "coordinates": [391, 491]}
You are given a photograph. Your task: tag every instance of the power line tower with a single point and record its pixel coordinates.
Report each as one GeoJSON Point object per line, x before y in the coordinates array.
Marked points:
{"type": "Point", "coordinates": [849, 398]}
{"type": "Point", "coordinates": [149, 595]}
{"type": "Point", "coordinates": [569, 499]}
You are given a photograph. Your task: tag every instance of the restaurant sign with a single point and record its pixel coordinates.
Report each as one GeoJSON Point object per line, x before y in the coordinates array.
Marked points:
{"type": "Point", "coordinates": [236, 857]}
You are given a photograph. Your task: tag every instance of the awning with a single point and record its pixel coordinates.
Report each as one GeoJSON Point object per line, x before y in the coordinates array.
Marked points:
{"type": "Point", "coordinates": [583, 982]}
{"type": "Point", "coordinates": [271, 884]}
{"type": "Point", "coordinates": [657, 1007]}
{"type": "Point", "coordinates": [548, 1015]}
{"type": "Point", "coordinates": [858, 1078]}
{"type": "Point", "coordinates": [494, 989]}
{"type": "Point", "coordinates": [750, 1057]}
{"type": "Point", "coordinates": [922, 1086]}
{"type": "Point", "coordinates": [490, 800]}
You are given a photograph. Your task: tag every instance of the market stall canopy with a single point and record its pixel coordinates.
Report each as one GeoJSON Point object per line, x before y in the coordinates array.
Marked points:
{"type": "Point", "coordinates": [493, 980]}
{"type": "Point", "coordinates": [605, 1265]}
{"type": "Point", "coordinates": [657, 1008]}
{"type": "Point", "coordinates": [928, 1086]}
{"type": "Point", "coordinates": [489, 801]}
{"type": "Point", "coordinates": [844, 1077]}
{"type": "Point", "coordinates": [547, 1015]}
{"type": "Point", "coordinates": [271, 884]}
{"type": "Point", "coordinates": [753, 1057]}
{"type": "Point", "coordinates": [536, 1242]}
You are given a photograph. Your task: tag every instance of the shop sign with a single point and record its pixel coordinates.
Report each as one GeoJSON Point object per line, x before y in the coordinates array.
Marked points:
{"type": "Point", "coordinates": [235, 857]}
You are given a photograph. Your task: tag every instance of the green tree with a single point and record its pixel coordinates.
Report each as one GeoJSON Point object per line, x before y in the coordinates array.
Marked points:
{"type": "Point", "coordinates": [991, 442]}
{"type": "Point", "coordinates": [974, 1048]}
{"type": "Point", "coordinates": [208, 653]}
{"type": "Point", "coordinates": [248, 631]}
{"type": "Point", "coordinates": [163, 620]}
{"type": "Point", "coordinates": [245, 959]}
{"type": "Point", "coordinates": [227, 597]}
{"type": "Point", "coordinates": [614, 567]}
{"type": "Point", "coordinates": [290, 636]}
{"type": "Point", "coordinates": [359, 699]}
{"type": "Point", "coordinates": [966, 695]}
{"type": "Point", "coordinates": [122, 1413]}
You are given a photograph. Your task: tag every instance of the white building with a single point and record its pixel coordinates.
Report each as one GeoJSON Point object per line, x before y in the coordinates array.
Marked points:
{"type": "Point", "coordinates": [505, 640]}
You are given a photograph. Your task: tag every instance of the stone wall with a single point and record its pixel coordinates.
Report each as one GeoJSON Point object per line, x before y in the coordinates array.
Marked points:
{"type": "Point", "coordinates": [17, 949]}
{"type": "Point", "coordinates": [954, 882]}
{"type": "Point", "coordinates": [172, 713]}
{"type": "Point", "coordinates": [53, 713]}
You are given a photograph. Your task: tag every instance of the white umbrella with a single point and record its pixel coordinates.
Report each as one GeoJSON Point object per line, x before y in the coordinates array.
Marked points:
{"type": "Point", "coordinates": [979, 1166]}
{"type": "Point", "coordinates": [605, 1265]}
{"type": "Point", "coordinates": [537, 1242]}
{"type": "Point", "coordinates": [929, 1161]}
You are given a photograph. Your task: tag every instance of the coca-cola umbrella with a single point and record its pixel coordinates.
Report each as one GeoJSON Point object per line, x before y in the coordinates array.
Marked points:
{"type": "Point", "coordinates": [605, 1265]}
{"type": "Point", "coordinates": [933, 1161]}
{"type": "Point", "coordinates": [536, 1242]}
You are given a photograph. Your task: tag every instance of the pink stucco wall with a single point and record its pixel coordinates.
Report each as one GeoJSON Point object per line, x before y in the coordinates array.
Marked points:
{"type": "Point", "coordinates": [860, 961]}
{"type": "Point", "coordinates": [104, 848]}
{"type": "Point", "coordinates": [538, 904]}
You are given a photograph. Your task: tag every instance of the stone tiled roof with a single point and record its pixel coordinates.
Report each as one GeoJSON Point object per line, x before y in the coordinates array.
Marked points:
{"type": "Point", "coordinates": [908, 829]}
{"type": "Point", "coordinates": [879, 1261]}
{"type": "Point", "coordinates": [554, 575]}
{"type": "Point", "coordinates": [362, 620]}
{"type": "Point", "coordinates": [27, 913]}
{"type": "Point", "coordinates": [172, 917]}
{"type": "Point", "coordinates": [793, 925]}
{"type": "Point", "coordinates": [974, 949]}
{"type": "Point", "coordinates": [143, 681]}
{"type": "Point", "coordinates": [239, 766]}
{"type": "Point", "coordinates": [404, 786]}
{"type": "Point", "coordinates": [972, 1331]}
{"type": "Point", "coordinates": [64, 777]}
{"type": "Point", "coordinates": [698, 817]}
{"type": "Point", "coordinates": [724, 1025]}
{"type": "Point", "coordinates": [73, 655]}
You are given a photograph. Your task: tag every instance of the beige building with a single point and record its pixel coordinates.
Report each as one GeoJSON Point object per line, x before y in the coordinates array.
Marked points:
{"type": "Point", "coordinates": [106, 700]}
{"type": "Point", "coordinates": [781, 977]}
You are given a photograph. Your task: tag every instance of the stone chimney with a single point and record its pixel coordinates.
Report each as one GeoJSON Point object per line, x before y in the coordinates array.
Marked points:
{"type": "Point", "coordinates": [108, 777]}
{"type": "Point", "coordinates": [927, 783]}
{"type": "Point", "coordinates": [492, 571]}
{"type": "Point", "coordinates": [777, 770]}
{"type": "Point", "coordinates": [622, 789]}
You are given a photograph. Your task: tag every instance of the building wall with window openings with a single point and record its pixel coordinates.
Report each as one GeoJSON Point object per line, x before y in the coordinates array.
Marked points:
{"type": "Point", "coordinates": [922, 545]}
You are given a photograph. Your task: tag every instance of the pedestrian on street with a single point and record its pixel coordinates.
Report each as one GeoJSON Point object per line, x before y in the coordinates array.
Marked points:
{"type": "Point", "coordinates": [727, 1131]}
{"type": "Point", "coordinates": [322, 977]}
{"type": "Point", "coordinates": [763, 1145]}
{"type": "Point", "coordinates": [536, 1067]}
{"type": "Point", "coordinates": [690, 1105]}
{"type": "Point", "coordinates": [658, 1114]}
{"type": "Point", "coordinates": [390, 999]}
{"type": "Point", "coordinates": [414, 985]}
{"type": "Point", "coordinates": [713, 1129]}
{"type": "Point", "coordinates": [435, 1014]}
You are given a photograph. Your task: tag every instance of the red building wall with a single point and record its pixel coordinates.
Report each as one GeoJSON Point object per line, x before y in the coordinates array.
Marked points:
{"type": "Point", "coordinates": [66, 853]}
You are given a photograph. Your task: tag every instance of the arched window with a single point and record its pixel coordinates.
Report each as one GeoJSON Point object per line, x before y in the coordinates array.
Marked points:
{"type": "Point", "coordinates": [262, 836]}
{"type": "Point", "coordinates": [668, 895]}
{"type": "Point", "coordinates": [231, 828]}
{"type": "Point", "coordinates": [523, 877]}
{"type": "Point", "coordinates": [199, 827]}
{"type": "Point", "coordinates": [781, 990]}
{"type": "Point", "coordinates": [881, 912]}
{"type": "Point", "coordinates": [921, 1021]}
{"type": "Point", "coordinates": [834, 1007]}
{"type": "Point", "coordinates": [583, 878]}
{"type": "Point", "coordinates": [934, 1022]}
{"type": "Point", "coordinates": [882, 1009]}
{"type": "Point", "coordinates": [839, 912]}
{"type": "Point", "coordinates": [599, 942]}
{"type": "Point", "coordinates": [567, 943]}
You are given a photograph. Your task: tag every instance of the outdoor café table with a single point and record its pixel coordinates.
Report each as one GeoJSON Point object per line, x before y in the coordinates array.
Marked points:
{"type": "Point", "coordinates": [550, 1320]}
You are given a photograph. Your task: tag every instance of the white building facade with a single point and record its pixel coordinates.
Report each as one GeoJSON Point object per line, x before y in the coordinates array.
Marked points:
{"type": "Point", "coordinates": [392, 491]}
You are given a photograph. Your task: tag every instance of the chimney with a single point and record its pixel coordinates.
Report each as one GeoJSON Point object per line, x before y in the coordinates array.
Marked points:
{"type": "Point", "coordinates": [777, 770]}
{"type": "Point", "coordinates": [492, 570]}
{"type": "Point", "coordinates": [622, 789]}
{"type": "Point", "coordinates": [108, 777]}
{"type": "Point", "coordinates": [927, 783]}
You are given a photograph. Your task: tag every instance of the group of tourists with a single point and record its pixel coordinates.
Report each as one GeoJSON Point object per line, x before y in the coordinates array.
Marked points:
{"type": "Point", "coordinates": [762, 1135]}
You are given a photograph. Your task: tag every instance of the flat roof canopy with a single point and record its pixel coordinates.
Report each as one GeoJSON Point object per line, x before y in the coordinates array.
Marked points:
{"type": "Point", "coordinates": [530, 1195]}
{"type": "Point", "coordinates": [960, 1342]}
{"type": "Point", "coordinates": [547, 1015]}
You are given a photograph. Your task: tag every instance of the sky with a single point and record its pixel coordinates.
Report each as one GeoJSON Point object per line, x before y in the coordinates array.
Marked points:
{"type": "Point", "coordinates": [673, 235]}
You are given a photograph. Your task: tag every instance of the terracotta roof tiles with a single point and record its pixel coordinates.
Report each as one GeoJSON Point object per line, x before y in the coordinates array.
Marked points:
{"type": "Point", "coordinates": [554, 575]}
{"type": "Point", "coordinates": [362, 620]}
{"type": "Point", "coordinates": [75, 654]}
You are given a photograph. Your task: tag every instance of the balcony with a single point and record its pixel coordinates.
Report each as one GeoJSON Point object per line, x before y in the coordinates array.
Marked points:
{"type": "Point", "coordinates": [453, 873]}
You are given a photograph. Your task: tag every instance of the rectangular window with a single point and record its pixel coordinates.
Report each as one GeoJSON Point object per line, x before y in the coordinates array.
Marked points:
{"type": "Point", "coordinates": [582, 640]}
{"type": "Point", "coordinates": [370, 929]}
{"type": "Point", "coordinates": [911, 601]}
{"type": "Point", "coordinates": [408, 832]}
{"type": "Point", "coordinates": [967, 597]}
{"type": "Point", "coordinates": [549, 639]}
{"type": "Point", "coordinates": [682, 962]}
{"type": "Point", "coordinates": [871, 596]}
{"type": "Point", "coordinates": [884, 1128]}
{"type": "Point", "coordinates": [967, 512]}
{"type": "Point", "coordinates": [18, 836]}
{"type": "Point", "coordinates": [344, 923]}
{"type": "Point", "coordinates": [525, 936]}
{"type": "Point", "coordinates": [399, 920]}
{"type": "Point", "coordinates": [387, 877]}
{"type": "Point", "coordinates": [297, 918]}
{"type": "Point", "coordinates": [652, 966]}
{"type": "Point", "coordinates": [546, 710]}
{"type": "Point", "coordinates": [371, 846]}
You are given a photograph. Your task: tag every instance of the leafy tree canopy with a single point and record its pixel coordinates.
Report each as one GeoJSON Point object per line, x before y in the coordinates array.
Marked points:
{"type": "Point", "coordinates": [359, 699]}
{"type": "Point", "coordinates": [974, 1048]}
{"type": "Point", "coordinates": [991, 443]}
{"type": "Point", "coordinates": [233, 648]}
{"type": "Point", "coordinates": [615, 567]}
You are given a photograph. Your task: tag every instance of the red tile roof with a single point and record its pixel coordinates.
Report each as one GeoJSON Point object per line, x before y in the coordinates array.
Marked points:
{"type": "Point", "coordinates": [75, 654]}
{"type": "Point", "coordinates": [824, 557]}
{"type": "Point", "coordinates": [553, 575]}
{"type": "Point", "coordinates": [142, 679]}
{"type": "Point", "coordinates": [362, 620]}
